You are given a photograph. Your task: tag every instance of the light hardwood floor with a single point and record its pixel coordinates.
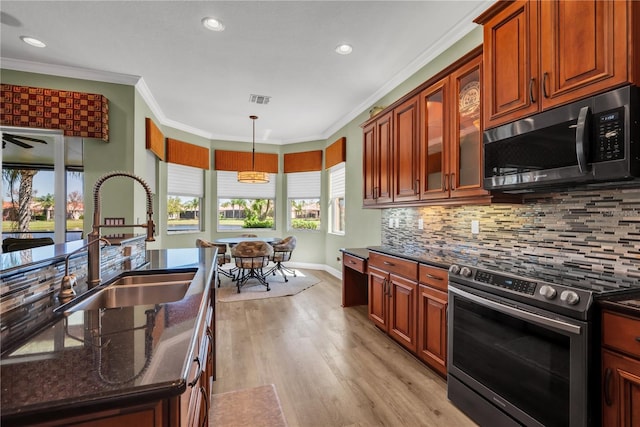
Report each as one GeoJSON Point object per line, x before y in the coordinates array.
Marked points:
{"type": "Point", "coordinates": [330, 365]}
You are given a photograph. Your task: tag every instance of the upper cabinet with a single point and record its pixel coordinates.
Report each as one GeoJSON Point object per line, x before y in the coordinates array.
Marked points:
{"type": "Point", "coordinates": [427, 147]}
{"type": "Point", "coordinates": [541, 54]}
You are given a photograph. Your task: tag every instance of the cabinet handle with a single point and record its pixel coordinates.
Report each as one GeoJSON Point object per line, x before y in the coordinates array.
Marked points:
{"type": "Point", "coordinates": [545, 76]}
{"type": "Point", "coordinates": [446, 182]}
{"type": "Point", "coordinates": [205, 421]}
{"type": "Point", "coordinates": [638, 339]}
{"type": "Point", "coordinates": [416, 190]}
{"type": "Point", "coordinates": [352, 261]}
{"type": "Point", "coordinates": [388, 263]}
{"type": "Point", "coordinates": [197, 378]}
{"type": "Point", "coordinates": [375, 192]}
{"type": "Point", "coordinates": [607, 386]}
{"type": "Point", "coordinates": [453, 182]}
{"type": "Point", "coordinates": [531, 83]}
{"type": "Point", "coordinates": [431, 276]}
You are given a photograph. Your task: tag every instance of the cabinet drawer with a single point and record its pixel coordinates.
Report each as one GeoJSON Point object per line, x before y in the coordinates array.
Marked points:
{"type": "Point", "coordinates": [395, 265]}
{"type": "Point", "coordinates": [356, 263]}
{"type": "Point", "coordinates": [621, 333]}
{"type": "Point", "coordinates": [433, 276]}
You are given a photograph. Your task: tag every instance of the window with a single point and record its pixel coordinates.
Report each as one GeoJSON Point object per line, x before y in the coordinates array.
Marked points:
{"type": "Point", "coordinates": [185, 189]}
{"type": "Point", "coordinates": [41, 170]}
{"type": "Point", "coordinates": [336, 199]}
{"type": "Point", "coordinates": [303, 198]}
{"type": "Point", "coordinates": [245, 206]}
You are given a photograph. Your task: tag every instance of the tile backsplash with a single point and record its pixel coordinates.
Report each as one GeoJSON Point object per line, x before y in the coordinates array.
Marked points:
{"type": "Point", "coordinates": [595, 229]}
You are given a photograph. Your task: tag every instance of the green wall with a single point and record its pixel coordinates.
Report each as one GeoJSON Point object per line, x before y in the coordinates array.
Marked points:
{"type": "Point", "coordinates": [126, 151]}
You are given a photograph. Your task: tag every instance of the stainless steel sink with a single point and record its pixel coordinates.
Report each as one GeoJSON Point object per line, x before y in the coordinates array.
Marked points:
{"type": "Point", "coordinates": [138, 289]}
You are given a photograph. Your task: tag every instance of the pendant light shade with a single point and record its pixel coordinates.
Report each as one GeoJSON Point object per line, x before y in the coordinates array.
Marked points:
{"type": "Point", "coordinates": [252, 176]}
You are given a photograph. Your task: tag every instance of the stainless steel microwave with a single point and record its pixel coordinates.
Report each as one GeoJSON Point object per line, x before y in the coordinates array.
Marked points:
{"type": "Point", "coordinates": [595, 141]}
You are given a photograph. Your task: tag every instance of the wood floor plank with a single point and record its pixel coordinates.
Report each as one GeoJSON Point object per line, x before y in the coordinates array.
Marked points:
{"type": "Point", "coordinates": [330, 365]}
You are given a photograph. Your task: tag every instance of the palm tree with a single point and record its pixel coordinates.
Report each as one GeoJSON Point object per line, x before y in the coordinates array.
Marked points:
{"type": "Point", "coordinates": [47, 202]}
{"type": "Point", "coordinates": [24, 179]}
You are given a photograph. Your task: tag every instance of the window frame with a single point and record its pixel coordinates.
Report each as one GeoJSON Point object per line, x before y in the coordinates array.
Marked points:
{"type": "Point", "coordinates": [184, 175]}
{"type": "Point", "coordinates": [337, 193]}
{"type": "Point", "coordinates": [304, 186]}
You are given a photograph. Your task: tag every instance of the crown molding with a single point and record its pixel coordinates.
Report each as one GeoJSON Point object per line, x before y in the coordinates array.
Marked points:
{"type": "Point", "coordinates": [66, 71]}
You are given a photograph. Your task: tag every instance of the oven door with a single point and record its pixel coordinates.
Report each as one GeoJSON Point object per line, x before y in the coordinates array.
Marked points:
{"type": "Point", "coordinates": [531, 366]}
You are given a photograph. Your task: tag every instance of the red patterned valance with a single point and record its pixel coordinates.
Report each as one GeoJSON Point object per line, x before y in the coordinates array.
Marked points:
{"type": "Point", "coordinates": [76, 113]}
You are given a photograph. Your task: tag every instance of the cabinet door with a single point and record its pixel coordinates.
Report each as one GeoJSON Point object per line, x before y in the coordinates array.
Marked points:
{"type": "Point", "coordinates": [378, 303]}
{"type": "Point", "coordinates": [620, 390]}
{"type": "Point", "coordinates": [369, 164]}
{"type": "Point", "coordinates": [403, 311]}
{"type": "Point", "coordinates": [406, 151]}
{"type": "Point", "coordinates": [584, 48]}
{"type": "Point", "coordinates": [465, 154]}
{"type": "Point", "coordinates": [511, 84]}
{"type": "Point", "coordinates": [434, 137]}
{"type": "Point", "coordinates": [384, 138]}
{"type": "Point", "coordinates": [432, 328]}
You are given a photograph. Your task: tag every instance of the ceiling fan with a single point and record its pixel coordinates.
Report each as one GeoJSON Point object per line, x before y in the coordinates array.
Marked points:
{"type": "Point", "coordinates": [16, 139]}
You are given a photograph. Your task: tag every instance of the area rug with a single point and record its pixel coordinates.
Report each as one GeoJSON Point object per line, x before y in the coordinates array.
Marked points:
{"type": "Point", "coordinates": [227, 292]}
{"type": "Point", "coordinates": [255, 407]}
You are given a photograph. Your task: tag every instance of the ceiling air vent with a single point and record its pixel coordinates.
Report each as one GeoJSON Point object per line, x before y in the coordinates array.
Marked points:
{"type": "Point", "coordinates": [259, 99]}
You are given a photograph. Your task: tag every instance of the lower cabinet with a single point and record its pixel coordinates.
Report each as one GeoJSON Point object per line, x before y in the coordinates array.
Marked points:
{"type": "Point", "coordinates": [432, 317]}
{"type": "Point", "coordinates": [620, 370]}
{"type": "Point", "coordinates": [408, 301]}
{"type": "Point", "coordinates": [393, 292]}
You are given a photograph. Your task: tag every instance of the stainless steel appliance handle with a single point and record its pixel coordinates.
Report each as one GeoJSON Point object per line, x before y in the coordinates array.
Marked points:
{"type": "Point", "coordinates": [582, 139]}
{"type": "Point", "coordinates": [520, 314]}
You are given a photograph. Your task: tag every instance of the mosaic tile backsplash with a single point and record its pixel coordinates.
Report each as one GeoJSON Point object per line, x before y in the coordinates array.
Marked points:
{"type": "Point", "coordinates": [597, 230]}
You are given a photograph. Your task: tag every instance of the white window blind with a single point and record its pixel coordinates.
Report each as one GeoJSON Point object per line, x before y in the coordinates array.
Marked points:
{"type": "Point", "coordinates": [184, 180]}
{"type": "Point", "coordinates": [336, 181]}
{"type": "Point", "coordinates": [303, 185]}
{"type": "Point", "coordinates": [230, 188]}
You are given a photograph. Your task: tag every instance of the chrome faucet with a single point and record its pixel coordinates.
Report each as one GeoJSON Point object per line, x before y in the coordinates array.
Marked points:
{"type": "Point", "coordinates": [93, 252]}
{"type": "Point", "coordinates": [69, 280]}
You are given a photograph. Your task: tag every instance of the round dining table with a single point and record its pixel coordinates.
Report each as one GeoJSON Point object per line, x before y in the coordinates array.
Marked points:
{"type": "Point", "coordinates": [238, 239]}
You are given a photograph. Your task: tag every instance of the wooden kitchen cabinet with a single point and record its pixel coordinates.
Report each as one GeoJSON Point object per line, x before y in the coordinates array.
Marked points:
{"type": "Point", "coordinates": [433, 141]}
{"type": "Point", "coordinates": [542, 54]}
{"type": "Point", "coordinates": [393, 291]}
{"type": "Point", "coordinates": [406, 151]}
{"type": "Point", "coordinates": [354, 280]}
{"type": "Point", "coordinates": [432, 317]}
{"type": "Point", "coordinates": [620, 369]}
{"type": "Point", "coordinates": [377, 161]}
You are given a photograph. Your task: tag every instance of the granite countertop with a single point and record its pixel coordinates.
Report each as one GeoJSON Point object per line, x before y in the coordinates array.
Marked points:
{"type": "Point", "coordinates": [94, 359]}
{"type": "Point", "coordinates": [12, 262]}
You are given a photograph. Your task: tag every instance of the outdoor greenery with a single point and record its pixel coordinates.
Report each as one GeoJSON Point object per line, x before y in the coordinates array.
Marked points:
{"type": "Point", "coordinates": [255, 213]}
{"type": "Point", "coordinates": [305, 224]}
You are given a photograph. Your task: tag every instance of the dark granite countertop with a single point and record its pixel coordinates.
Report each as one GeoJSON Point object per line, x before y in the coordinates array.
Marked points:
{"type": "Point", "coordinates": [361, 253]}
{"type": "Point", "coordinates": [94, 359]}
{"type": "Point", "coordinates": [13, 262]}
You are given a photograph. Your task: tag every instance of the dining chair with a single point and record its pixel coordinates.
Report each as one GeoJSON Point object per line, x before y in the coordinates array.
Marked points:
{"type": "Point", "coordinates": [222, 258]}
{"type": "Point", "coordinates": [251, 257]}
{"type": "Point", "coordinates": [282, 252]}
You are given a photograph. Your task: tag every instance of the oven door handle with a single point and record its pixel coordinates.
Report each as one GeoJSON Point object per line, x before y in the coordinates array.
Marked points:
{"type": "Point", "coordinates": [520, 314]}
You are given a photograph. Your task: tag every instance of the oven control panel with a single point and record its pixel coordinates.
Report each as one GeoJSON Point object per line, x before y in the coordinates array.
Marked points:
{"type": "Point", "coordinates": [516, 285]}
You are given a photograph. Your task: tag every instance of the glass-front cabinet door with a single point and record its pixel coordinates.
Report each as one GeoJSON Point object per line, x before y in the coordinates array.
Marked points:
{"type": "Point", "coordinates": [465, 158]}
{"type": "Point", "coordinates": [434, 127]}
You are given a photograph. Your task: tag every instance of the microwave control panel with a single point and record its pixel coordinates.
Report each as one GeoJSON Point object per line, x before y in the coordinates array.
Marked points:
{"type": "Point", "coordinates": [609, 136]}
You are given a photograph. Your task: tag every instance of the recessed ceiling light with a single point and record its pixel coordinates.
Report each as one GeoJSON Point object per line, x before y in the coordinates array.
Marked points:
{"type": "Point", "coordinates": [213, 24]}
{"type": "Point", "coordinates": [32, 41]}
{"type": "Point", "coordinates": [344, 49]}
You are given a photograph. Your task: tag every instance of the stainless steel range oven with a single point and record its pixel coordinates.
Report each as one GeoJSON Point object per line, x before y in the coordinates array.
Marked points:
{"type": "Point", "coordinates": [520, 350]}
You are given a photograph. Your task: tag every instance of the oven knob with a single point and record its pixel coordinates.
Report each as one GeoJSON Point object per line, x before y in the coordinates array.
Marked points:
{"type": "Point", "coordinates": [465, 271]}
{"type": "Point", "coordinates": [548, 292]}
{"type": "Point", "coordinates": [454, 269]}
{"type": "Point", "coordinates": [570, 297]}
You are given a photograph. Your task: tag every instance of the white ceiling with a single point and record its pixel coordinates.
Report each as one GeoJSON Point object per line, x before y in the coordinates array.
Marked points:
{"type": "Point", "coordinates": [200, 81]}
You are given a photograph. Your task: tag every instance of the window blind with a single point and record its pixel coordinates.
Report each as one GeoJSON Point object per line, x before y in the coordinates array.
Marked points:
{"type": "Point", "coordinates": [336, 181]}
{"type": "Point", "coordinates": [184, 180]}
{"type": "Point", "coordinates": [230, 188]}
{"type": "Point", "coordinates": [303, 185]}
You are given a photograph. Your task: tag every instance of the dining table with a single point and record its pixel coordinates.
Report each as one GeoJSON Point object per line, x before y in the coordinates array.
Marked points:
{"type": "Point", "coordinates": [235, 240]}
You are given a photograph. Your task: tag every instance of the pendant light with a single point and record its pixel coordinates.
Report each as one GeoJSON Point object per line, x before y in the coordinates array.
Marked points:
{"type": "Point", "coordinates": [253, 176]}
